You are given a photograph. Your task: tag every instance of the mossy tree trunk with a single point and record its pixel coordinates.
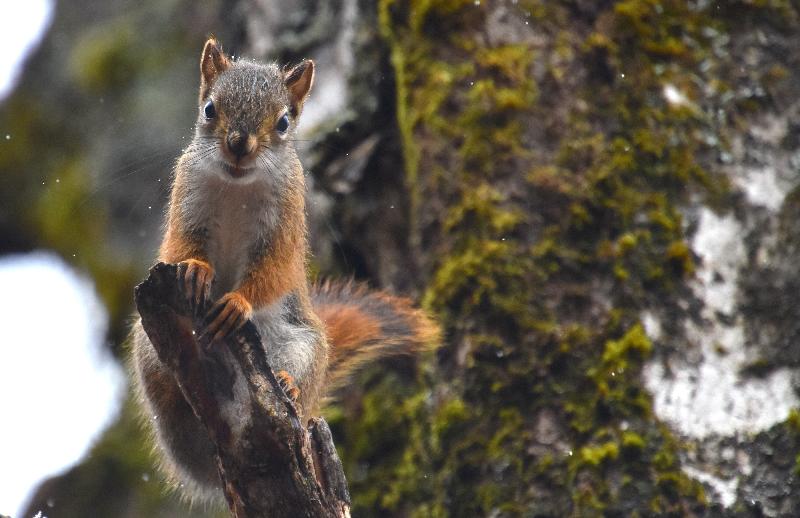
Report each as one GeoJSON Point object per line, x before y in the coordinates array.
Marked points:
{"type": "Point", "coordinates": [545, 173]}
{"type": "Point", "coordinates": [556, 157]}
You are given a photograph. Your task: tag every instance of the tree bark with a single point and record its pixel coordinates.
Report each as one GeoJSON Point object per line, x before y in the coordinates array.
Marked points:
{"type": "Point", "coordinates": [269, 463]}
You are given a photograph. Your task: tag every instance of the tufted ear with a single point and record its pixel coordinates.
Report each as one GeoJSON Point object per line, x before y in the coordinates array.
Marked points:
{"type": "Point", "coordinates": [298, 81]}
{"type": "Point", "coordinates": [213, 62]}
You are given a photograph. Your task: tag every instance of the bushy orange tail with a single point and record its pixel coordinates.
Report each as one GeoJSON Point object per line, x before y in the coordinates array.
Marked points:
{"type": "Point", "coordinates": [363, 325]}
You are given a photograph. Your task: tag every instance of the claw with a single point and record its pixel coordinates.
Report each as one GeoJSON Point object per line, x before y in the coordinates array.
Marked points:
{"type": "Point", "coordinates": [195, 277]}
{"type": "Point", "coordinates": [181, 273]}
{"type": "Point", "coordinates": [226, 316]}
{"type": "Point", "coordinates": [191, 275]}
{"type": "Point", "coordinates": [286, 381]}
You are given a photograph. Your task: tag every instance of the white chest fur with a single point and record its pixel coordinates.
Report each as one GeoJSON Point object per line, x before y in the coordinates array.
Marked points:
{"type": "Point", "coordinates": [238, 218]}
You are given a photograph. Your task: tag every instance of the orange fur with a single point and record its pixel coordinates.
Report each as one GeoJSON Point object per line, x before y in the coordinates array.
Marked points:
{"type": "Point", "coordinates": [212, 63]}
{"type": "Point", "coordinates": [283, 268]}
{"type": "Point", "coordinates": [347, 328]}
{"type": "Point", "coordinates": [425, 330]}
{"type": "Point", "coordinates": [363, 325]}
{"type": "Point", "coordinates": [288, 384]}
{"type": "Point", "coordinates": [231, 311]}
{"type": "Point", "coordinates": [177, 247]}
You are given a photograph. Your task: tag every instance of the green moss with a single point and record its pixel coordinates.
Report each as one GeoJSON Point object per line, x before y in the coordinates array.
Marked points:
{"type": "Point", "coordinates": [58, 211]}
{"type": "Point", "coordinates": [70, 221]}
{"type": "Point", "coordinates": [633, 444]}
{"type": "Point", "coordinates": [794, 420]}
{"type": "Point", "coordinates": [633, 345]}
{"type": "Point", "coordinates": [680, 256]}
{"type": "Point", "coordinates": [480, 209]}
{"type": "Point", "coordinates": [599, 454]}
{"type": "Point", "coordinates": [370, 447]}
{"type": "Point", "coordinates": [792, 423]}
{"type": "Point", "coordinates": [483, 275]}
{"type": "Point", "coordinates": [104, 58]}
{"type": "Point", "coordinates": [626, 242]}
{"type": "Point", "coordinates": [448, 423]}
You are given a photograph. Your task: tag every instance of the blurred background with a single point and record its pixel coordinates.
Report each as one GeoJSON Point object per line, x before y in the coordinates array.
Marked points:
{"type": "Point", "coordinates": [597, 200]}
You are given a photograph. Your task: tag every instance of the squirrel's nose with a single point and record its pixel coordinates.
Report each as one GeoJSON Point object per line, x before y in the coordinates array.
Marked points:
{"type": "Point", "coordinates": [238, 143]}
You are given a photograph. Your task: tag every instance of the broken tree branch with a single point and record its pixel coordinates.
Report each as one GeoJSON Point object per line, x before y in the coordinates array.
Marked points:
{"type": "Point", "coordinates": [269, 463]}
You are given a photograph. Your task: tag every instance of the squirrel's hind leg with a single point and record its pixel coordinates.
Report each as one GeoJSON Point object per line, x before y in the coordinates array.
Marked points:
{"type": "Point", "coordinates": [296, 350]}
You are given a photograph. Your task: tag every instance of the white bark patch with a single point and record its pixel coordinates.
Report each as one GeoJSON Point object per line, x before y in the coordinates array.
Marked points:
{"type": "Point", "coordinates": [718, 242]}
{"type": "Point", "coordinates": [675, 96]}
{"type": "Point", "coordinates": [767, 184]}
{"type": "Point", "coordinates": [725, 489]}
{"type": "Point", "coordinates": [652, 326]}
{"type": "Point", "coordinates": [763, 187]}
{"type": "Point", "coordinates": [699, 388]}
{"type": "Point", "coordinates": [703, 392]}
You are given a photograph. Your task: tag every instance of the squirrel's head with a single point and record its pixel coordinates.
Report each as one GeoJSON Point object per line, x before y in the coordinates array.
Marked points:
{"type": "Point", "coordinates": [249, 110]}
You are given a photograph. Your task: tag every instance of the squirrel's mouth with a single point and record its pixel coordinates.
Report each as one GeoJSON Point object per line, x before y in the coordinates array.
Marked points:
{"type": "Point", "coordinates": [236, 170]}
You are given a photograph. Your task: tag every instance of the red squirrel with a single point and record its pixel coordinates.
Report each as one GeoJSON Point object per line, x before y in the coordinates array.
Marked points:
{"type": "Point", "coordinates": [236, 227]}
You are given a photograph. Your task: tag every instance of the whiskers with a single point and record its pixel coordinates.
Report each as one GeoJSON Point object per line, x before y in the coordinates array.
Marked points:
{"type": "Point", "coordinates": [268, 161]}
{"type": "Point", "coordinates": [318, 143]}
{"type": "Point", "coordinates": [152, 173]}
{"type": "Point", "coordinates": [200, 149]}
{"type": "Point", "coordinates": [139, 165]}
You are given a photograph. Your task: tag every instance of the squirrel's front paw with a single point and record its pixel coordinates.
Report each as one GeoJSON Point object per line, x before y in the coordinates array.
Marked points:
{"type": "Point", "coordinates": [287, 384]}
{"type": "Point", "coordinates": [226, 316]}
{"type": "Point", "coordinates": [195, 277]}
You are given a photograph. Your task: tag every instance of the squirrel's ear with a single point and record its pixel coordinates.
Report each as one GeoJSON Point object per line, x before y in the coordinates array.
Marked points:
{"type": "Point", "coordinates": [212, 63]}
{"type": "Point", "coordinates": [298, 81]}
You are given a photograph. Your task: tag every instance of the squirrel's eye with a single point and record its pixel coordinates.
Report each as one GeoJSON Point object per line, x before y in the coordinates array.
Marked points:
{"type": "Point", "coordinates": [283, 124]}
{"type": "Point", "coordinates": [209, 111]}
